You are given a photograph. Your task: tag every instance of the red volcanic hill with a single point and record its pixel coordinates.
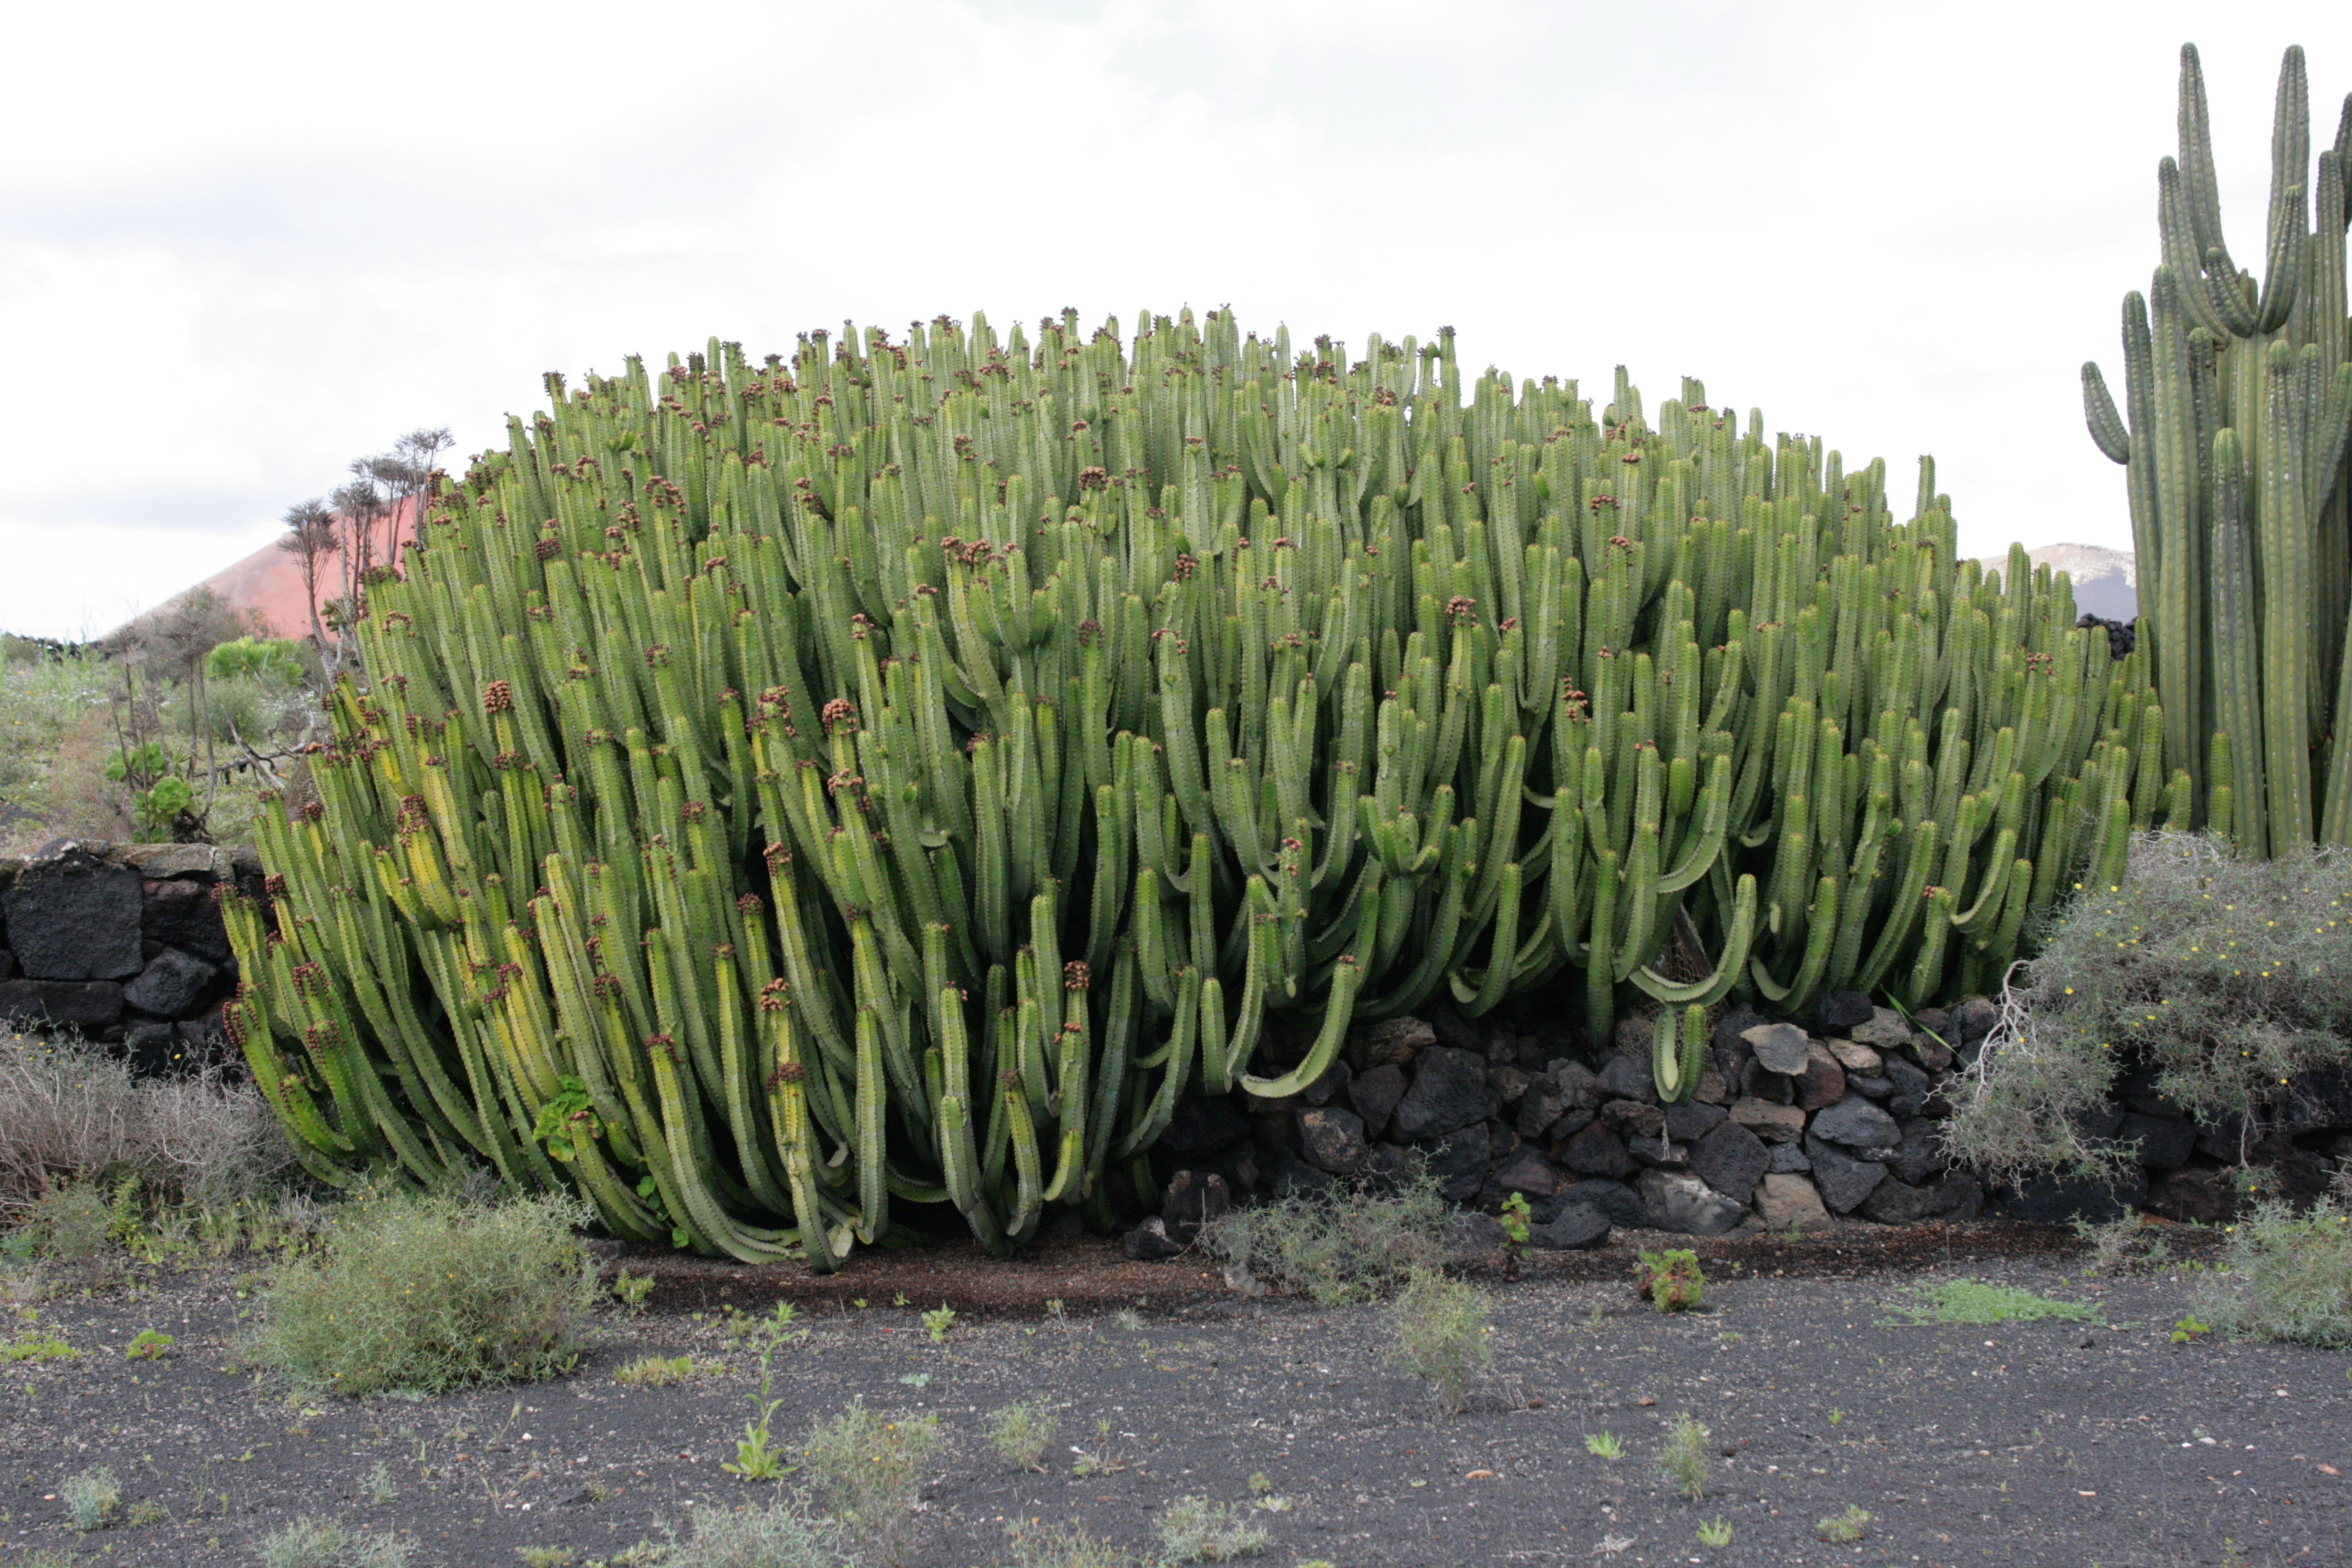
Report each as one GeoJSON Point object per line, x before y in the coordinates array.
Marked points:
{"type": "Point", "coordinates": [269, 581]}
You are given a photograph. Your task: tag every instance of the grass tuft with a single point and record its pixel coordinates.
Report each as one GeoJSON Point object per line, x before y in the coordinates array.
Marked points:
{"type": "Point", "coordinates": [75, 1123]}
{"type": "Point", "coordinates": [656, 1371]}
{"type": "Point", "coordinates": [1844, 1529]}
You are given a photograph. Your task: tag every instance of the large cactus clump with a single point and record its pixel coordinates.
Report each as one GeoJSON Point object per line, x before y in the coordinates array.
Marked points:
{"type": "Point", "coordinates": [2239, 393]}
{"type": "Point", "coordinates": [904, 771]}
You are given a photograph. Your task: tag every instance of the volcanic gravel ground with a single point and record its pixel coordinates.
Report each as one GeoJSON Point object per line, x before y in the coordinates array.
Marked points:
{"type": "Point", "coordinates": [2049, 1442]}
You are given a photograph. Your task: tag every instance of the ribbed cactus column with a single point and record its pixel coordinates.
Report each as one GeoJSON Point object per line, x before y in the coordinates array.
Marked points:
{"type": "Point", "coordinates": [2237, 399]}
{"type": "Point", "coordinates": [800, 794]}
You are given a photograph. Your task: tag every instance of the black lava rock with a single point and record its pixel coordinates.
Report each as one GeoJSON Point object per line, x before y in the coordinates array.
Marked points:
{"type": "Point", "coordinates": [74, 917]}
{"type": "Point", "coordinates": [1576, 1225]}
{"type": "Point", "coordinates": [1449, 1092]}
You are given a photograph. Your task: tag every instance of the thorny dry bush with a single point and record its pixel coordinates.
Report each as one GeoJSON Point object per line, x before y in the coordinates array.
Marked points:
{"type": "Point", "coordinates": [2227, 979]}
{"type": "Point", "coordinates": [1351, 1242]}
{"type": "Point", "coordinates": [71, 1114]}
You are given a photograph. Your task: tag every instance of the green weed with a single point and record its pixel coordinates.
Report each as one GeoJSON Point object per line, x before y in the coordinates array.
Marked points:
{"type": "Point", "coordinates": [35, 1343]}
{"type": "Point", "coordinates": [1715, 1534]}
{"type": "Point", "coordinates": [1683, 1457]}
{"type": "Point", "coordinates": [780, 1534]}
{"type": "Point", "coordinates": [866, 1469]}
{"type": "Point", "coordinates": [1672, 1279]}
{"type": "Point", "coordinates": [329, 1543]}
{"type": "Point", "coordinates": [1036, 1544]}
{"type": "Point", "coordinates": [93, 1497]}
{"type": "Point", "coordinates": [1195, 1530]}
{"type": "Point", "coordinates": [2285, 1276]}
{"type": "Point", "coordinates": [1604, 1444]}
{"type": "Point", "coordinates": [1022, 1432]}
{"type": "Point", "coordinates": [1439, 1333]}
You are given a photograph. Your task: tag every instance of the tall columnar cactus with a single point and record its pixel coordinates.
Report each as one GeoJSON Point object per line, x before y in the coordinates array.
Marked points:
{"type": "Point", "coordinates": [897, 773]}
{"type": "Point", "coordinates": [2238, 393]}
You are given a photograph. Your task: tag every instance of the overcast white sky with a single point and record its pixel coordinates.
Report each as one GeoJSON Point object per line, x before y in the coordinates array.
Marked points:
{"type": "Point", "coordinates": [241, 244]}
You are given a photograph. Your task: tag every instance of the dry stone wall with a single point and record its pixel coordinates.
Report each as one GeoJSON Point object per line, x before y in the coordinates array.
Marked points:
{"type": "Point", "coordinates": [122, 944]}
{"type": "Point", "coordinates": [1796, 1123]}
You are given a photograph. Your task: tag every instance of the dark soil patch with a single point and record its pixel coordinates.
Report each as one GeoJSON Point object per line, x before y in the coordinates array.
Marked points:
{"type": "Point", "coordinates": [1089, 1276]}
{"type": "Point", "coordinates": [2042, 1444]}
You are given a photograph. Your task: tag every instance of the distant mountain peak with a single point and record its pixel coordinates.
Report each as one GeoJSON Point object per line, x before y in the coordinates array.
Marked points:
{"type": "Point", "coordinates": [2107, 582]}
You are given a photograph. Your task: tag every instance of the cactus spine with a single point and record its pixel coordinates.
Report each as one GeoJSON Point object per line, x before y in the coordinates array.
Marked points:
{"type": "Point", "coordinates": [885, 780]}
{"type": "Point", "coordinates": [2237, 399]}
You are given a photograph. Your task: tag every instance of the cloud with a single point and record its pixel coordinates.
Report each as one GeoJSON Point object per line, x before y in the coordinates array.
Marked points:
{"type": "Point", "coordinates": [245, 244]}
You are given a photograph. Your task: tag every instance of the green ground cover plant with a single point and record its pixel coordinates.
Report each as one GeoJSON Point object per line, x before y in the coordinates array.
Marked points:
{"type": "Point", "coordinates": [420, 1294]}
{"type": "Point", "coordinates": [1067, 703]}
{"type": "Point", "coordinates": [1982, 1301]}
{"type": "Point", "coordinates": [2286, 1275]}
{"type": "Point", "coordinates": [2224, 976]}
{"type": "Point", "coordinates": [1350, 1242]}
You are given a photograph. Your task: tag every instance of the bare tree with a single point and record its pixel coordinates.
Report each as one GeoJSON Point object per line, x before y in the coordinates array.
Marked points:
{"type": "Point", "coordinates": [359, 525]}
{"type": "Point", "coordinates": [407, 471]}
{"type": "Point", "coordinates": [311, 534]}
